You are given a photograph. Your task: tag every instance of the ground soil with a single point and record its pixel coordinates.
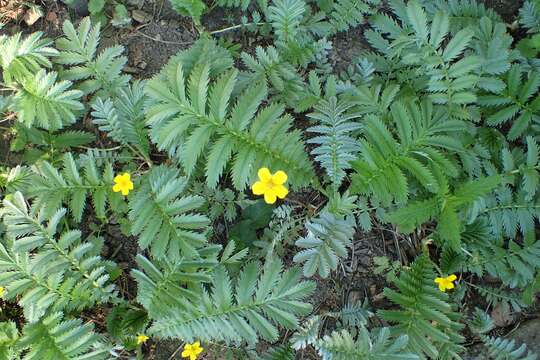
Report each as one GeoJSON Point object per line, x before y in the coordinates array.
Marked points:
{"type": "Point", "coordinates": [149, 45]}
{"type": "Point", "coordinates": [508, 9]}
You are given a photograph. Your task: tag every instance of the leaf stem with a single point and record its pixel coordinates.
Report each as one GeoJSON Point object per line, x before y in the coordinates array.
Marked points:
{"type": "Point", "coordinates": [234, 27]}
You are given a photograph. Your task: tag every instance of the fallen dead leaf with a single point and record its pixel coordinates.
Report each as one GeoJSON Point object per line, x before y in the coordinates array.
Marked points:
{"type": "Point", "coordinates": [32, 15]}
{"type": "Point", "coordinates": [502, 315]}
{"type": "Point", "coordinates": [52, 17]}
{"type": "Point", "coordinates": [141, 16]}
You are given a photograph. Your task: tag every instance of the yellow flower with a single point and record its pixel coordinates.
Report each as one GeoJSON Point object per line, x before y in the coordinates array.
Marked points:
{"type": "Point", "coordinates": [123, 183]}
{"type": "Point", "coordinates": [446, 282]}
{"type": "Point", "coordinates": [192, 350]}
{"type": "Point", "coordinates": [2, 291]}
{"type": "Point", "coordinates": [141, 339]}
{"type": "Point", "coordinates": [271, 186]}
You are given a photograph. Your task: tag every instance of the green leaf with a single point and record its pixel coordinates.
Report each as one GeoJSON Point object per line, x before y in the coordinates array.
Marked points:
{"type": "Point", "coordinates": [457, 44]}
{"type": "Point", "coordinates": [55, 338]}
{"type": "Point", "coordinates": [423, 312]}
{"type": "Point", "coordinates": [449, 228]}
{"type": "Point", "coordinates": [235, 138]}
{"type": "Point", "coordinates": [327, 240]}
{"type": "Point", "coordinates": [256, 306]}
{"type": "Point", "coordinates": [415, 214]}
{"type": "Point", "coordinates": [163, 219]}
{"type": "Point", "coordinates": [53, 188]}
{"type": "Point", "coordinates": [72, 138]}
{"type": "Point", "coordinates": [120, 16]}
{"type": "Point", "coordinates": [24, 58]}
{"type": "Point", "coordinates": [418, 19]}
{"type": "Point", "coordinates": [93, 72]}
{"type": "Point", "coordinates": [96, 6]}
{"type": "Point", "coordinates": [439, 28]}
{"type": "Point", "coordinates": [533, 152]}
{"type": "Point", "coordinates": [46, 103]}
{"type": "Point", "coordinates": [475, 189]}
{"type": "Point", "coordinates": [63, 273]}
{"type": "Point", "coordinates": [218, 157]}
{"type": "Point", "coordinates": [193, 8]}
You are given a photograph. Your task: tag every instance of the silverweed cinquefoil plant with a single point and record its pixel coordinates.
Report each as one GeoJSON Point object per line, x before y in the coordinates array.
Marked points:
{"type": "Point", "coordinates": [431, 135]}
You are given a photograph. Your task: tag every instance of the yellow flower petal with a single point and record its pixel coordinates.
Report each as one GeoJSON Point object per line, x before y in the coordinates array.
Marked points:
{"type": "Point", "coordinates": [280, 191]}
{"type": "Point", "coordinates": [192, 350]}
{"type": "Point", "coordinates": [270, 196]}
{"type": "Point", "coordinates": [264, 174]}
{"type": "Point", "coordinates": [259, 188]}
{"type": "Point", "coordinates": [279, 178]}
{"type": "Point", "coordinates": [123, 183]}
{"type": "Point", "coordinates": [141, 339]}
{"type": "Point", "coordinates": [446, 283]}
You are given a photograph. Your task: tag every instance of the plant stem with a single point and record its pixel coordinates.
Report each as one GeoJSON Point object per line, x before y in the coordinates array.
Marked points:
{"type": "Point", "coordinates": [230, 28]}
{"type": "Point", "coordinates": [141, 155]}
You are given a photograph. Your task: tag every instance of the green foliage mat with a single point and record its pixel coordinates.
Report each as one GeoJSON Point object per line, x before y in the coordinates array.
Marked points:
{"type": "Point", "coordinates": [431, 134]}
